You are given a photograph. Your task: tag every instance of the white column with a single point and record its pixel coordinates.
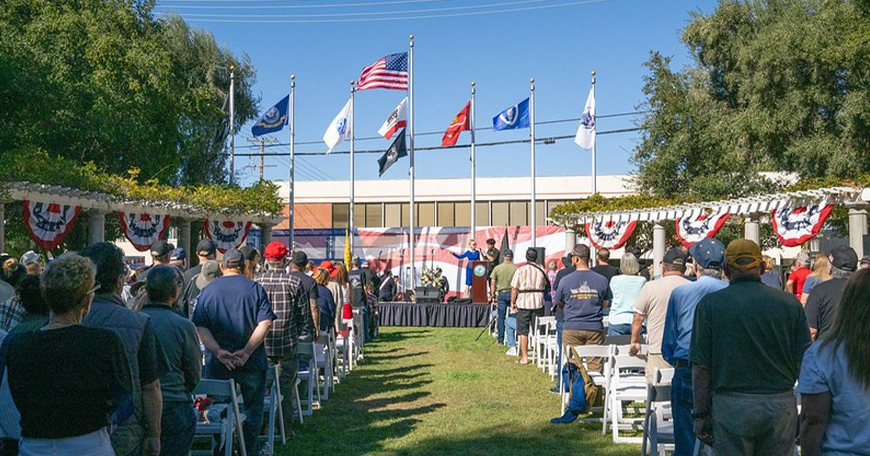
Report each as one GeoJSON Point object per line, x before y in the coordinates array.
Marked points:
{"type": "Point", "coordinates": [2, 226]}
{"type": "Point", "coordinates": [96, 226]}
{"type": "Point", "coordinates": [858, 227]}
{"type": "Point", "coordinates": [658, 247]}
{"type": "Point", "coordinates": [570, 240]}
{"type": "Point", "coordinates": [184, 238]}
{"type": "Point", "coordinates": [750, 228]}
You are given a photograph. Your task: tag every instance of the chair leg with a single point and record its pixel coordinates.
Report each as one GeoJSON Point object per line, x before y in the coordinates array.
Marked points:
{"type": "Point", "coordinates": [298, 403]}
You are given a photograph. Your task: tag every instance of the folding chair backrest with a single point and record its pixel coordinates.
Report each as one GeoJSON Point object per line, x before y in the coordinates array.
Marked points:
{"type": "Point", "coordinates": [624, 349]}
{"type": "Point", "coordinates": [305, 348]}
{"type": "Point", "coordinates": [663, 376]}
{"type": "Point", "coordinates": [617, 340]}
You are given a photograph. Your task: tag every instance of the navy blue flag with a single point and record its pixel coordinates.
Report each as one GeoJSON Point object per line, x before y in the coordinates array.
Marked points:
{"type": "Point", "coordinates": [274, 119]}
{"type": "Point", "coordinates": [517, 116]}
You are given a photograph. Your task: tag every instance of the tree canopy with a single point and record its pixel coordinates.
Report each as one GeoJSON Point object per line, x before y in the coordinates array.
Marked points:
{"type": "Point", "coordinates": [775, 85]}
{"type": "Point", "coordinates": [106, 82]}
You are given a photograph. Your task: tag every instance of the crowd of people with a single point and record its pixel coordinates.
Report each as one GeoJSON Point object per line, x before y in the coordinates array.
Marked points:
{"type": "Point", "coordinates": [742, 344]}
{"type": "Point", "coordinates": [96, 359]}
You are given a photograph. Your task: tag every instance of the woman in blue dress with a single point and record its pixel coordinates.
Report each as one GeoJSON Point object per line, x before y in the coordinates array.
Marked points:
{"type": "Point", "coordinates": [472, 254]}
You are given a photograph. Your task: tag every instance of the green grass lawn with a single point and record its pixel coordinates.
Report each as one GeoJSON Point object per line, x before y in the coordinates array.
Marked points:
{"type": "Point", "coordinates": [435, 391]}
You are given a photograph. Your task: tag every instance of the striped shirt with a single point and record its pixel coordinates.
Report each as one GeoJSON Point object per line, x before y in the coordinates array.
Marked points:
{"type": "Point", "coordinates": [529, 278]}
{"type": "Point", "coordinates": [290, 304]}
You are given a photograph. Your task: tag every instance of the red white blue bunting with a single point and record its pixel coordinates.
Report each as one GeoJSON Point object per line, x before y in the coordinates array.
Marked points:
{"type": "Point", "coordinates": [143, 229]}
{"type": "Point", "coordinates": [700, 225]}
{"type": "Point", "coordinates": [227, 234]}
{"type": "Point", "coordinates": [609, 234]}
{"type": "Point", "coordinates": [795, 225]}
{"type": "Point", "coordinates": [49, 223]}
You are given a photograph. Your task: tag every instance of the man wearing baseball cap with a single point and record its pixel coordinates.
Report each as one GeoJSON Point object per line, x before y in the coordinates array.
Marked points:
{"type": "Point", "coordinates": [291, 307]}
{"type": "Point", "coordinates": [652, 305]}
{"type": "Point", "coordinates": [709, 258]}
{"type": "Point", "coordinates": [748, 340]}
{"type": "Point", "coordinates": [823, 301]}
{"type": "Point", "coordinates": [232, 317]}
{"type": "Point", "coordinates": [206, 250]}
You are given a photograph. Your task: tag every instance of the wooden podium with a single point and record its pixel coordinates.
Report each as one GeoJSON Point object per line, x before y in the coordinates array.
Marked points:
{"type": "Point", "coordinates": [478, 282]}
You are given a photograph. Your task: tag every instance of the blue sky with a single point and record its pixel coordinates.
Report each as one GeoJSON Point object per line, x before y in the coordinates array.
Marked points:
{"type": "Point", "coordinates": [558, 46]}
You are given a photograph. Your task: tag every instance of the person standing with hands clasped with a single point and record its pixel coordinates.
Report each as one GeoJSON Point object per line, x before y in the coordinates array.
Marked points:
{"type": "Point", "coordinates": [232, 317]}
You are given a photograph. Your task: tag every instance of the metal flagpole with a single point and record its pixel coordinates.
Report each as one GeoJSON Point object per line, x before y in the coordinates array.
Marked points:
{"type": "Point", "coordinates": [413, 280]}
{"type": "Point", "coordinates": [473, 169]}
{"type": "Point", "coordinates": [594, 142]}
{"type": "Point", "coordinates": [232, 125]}
{"type": "Point", "coordinates": [292, 155]}
{"type": "Point", "coordinates": [534, 224]}
{"type": "Point", "coordinates": [352, 174]}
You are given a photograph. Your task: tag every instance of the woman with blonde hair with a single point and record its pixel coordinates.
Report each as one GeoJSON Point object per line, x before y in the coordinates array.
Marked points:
{"type": "Point", "coordinates": [821, 273]}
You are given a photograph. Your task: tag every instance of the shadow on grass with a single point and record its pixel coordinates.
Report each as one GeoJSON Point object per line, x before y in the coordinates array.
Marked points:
{"type": "Point", "coordinates": [397, 336]}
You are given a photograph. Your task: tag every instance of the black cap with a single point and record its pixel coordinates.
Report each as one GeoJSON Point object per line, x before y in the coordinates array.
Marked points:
{"type": "Point", "coordinates": [248, 252]}
{"type": "Point", "coordinates": [300, 259]}
{"type": "Point", "coordinates": [233, 258]}
{"type": "Point", "coordinates": [206, 247]}
{"type": "Point", "coordinates": [490, 241]}
{"type": "Point", "coordinates": [675, 256]}
{"type": "Point", "coordinates": [508, 253]}
{"type": "Point", "coordinates": [845, 258]}
{"type": "Point", "coordinates": [160, 248]}
{"type": "Point", "coordinates": [865, 260]}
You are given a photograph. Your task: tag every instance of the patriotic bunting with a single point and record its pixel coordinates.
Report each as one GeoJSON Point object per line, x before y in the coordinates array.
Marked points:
{"type": "Point", "coordinates": [143, 229]}
{"type": "Point", "coordinates": [227, 234]}
{"type": "Point", "coordinates": [795, 225]}
{"type": "Point", "coordinates": [49, 223]}
{"type": "Point", "coordinates": [609, 234]}
{"type": "Point", "coordinates": [699, 226]}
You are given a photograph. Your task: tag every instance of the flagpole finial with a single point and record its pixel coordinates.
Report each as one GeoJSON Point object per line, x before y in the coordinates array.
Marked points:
{"type": "Point", "coordinates": [412, 37]}
{"type": "Point", "coordinates": [232, 67]}
{"type": "Point", "coordinates": [593, 73]}
{"type": "Point", "coordinates": [292, 77]}
{"type": "Point", "coordinates": [473, 83]}
{"type": "Point", "coordinates": [532, 80]}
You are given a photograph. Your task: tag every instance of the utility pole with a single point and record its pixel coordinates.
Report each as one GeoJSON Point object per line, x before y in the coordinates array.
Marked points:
{"type": "Point", "coordinates": [263, 142]}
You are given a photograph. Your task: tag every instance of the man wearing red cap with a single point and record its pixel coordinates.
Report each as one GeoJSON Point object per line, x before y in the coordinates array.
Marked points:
{"type": "Point", "coordinates": [290, 306]}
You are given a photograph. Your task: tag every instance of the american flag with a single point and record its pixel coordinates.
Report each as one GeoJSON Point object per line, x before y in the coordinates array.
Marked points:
{"type": "Point", "coordinates": [390, 72]}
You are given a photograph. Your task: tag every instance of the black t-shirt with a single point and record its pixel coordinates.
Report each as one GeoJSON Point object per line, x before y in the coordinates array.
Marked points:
{"type": "Point", "coordinates": [560, 312]}
{"type": "Point", "coordinates": [308, 288]}
{"type": "Point", "coordinates": [822, 305]}
{"type": "Point", "coordinates": [191, 273]}
{"type": "Point", "coordinates": [607, 271]}
{"type": "Point", "coordinates": [358, 281]}
{"type": "Point", "coordinates": [67, 381]}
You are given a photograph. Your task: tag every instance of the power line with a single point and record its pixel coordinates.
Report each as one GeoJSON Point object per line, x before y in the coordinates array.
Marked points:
{"type": "Point", "coordinates": [230, 19]}
{"type": "Point", "coordinates": [355, 14]}
{"type": "Point", "coordinates": [334, 5]}
{"type": "Point", "coordinates": [485, 128]}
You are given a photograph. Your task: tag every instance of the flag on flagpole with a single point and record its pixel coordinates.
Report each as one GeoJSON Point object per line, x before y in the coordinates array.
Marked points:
{"type": "Point", "coordinates": [460, 123]}
{"type": "Point", "coordinates": [347, 256]}
{"type": "Point", "coordinates": [585, 137]}
{"type": "Point", "coordinates": [390, 72]}
{"type": "Point", "coordinates": [517, 116]}
{"type": "Point", "coordinates": [396, 151]}
{"type": "Point", "coordinates": [274, 119]}
{"type": "Point", "coordinates": [339, 129]}
{"type": "Point", "coordinates": [398, 119]}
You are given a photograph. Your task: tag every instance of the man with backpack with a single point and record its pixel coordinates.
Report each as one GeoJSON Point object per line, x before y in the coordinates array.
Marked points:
{"type": "Point", "coordinates": [528, 287]}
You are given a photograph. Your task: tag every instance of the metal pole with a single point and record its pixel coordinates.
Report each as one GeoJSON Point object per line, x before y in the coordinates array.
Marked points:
{"type": "Point", "coordinates": [594, 141]}
{"type": "Point", "coordinates": [232, 125]}
{"type": "Point", "coordinates": [352, 173]}
{"type": "Point", "coordinates": [292, 156]}
{"type": "Point", "coordinates": [534, 224]}
{"type": "Point", "coordinates": [473, 168]}
{"type": "Point", "coordinates": [413, 280]}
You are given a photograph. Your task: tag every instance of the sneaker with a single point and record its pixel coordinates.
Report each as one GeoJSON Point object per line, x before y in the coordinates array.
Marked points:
{"type": "Point", "coordinates": [555, 390]}
{"type": "Point", "coordinates": [512, 352]}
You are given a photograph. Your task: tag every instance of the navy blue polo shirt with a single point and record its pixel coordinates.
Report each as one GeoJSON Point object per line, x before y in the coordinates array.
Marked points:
{"type": "Point", "coordinates": [231, 307]}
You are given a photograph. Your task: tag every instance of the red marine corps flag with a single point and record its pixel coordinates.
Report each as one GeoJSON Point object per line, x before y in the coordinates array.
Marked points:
{"type": "Point", "coordinates": [460, 123]}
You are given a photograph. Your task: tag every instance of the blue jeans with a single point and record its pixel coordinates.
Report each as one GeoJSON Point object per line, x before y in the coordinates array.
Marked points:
{"type": "Point", "coordinates": [504, 303]}
{"type": "Point", "coordinates": [253, 387]}
{"type": "Point", "coordinates": [510, 325]}
{"type": "Point", "coordinates": [682, 403]}
{"type": "Point", "coordinates": [562, 372]}
{"type": "Point", "coordinates": [619, 330]}
{"type": "Point", "coordinates": [177, 427]}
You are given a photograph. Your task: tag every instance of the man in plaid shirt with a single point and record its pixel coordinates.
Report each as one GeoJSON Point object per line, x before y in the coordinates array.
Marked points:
{"type": "Point", "coordinates": [290, 304]}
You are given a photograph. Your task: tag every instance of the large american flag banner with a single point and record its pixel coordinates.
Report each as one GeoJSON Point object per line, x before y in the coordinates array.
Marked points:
{"type": "Point", "coordinates": [390, 72]}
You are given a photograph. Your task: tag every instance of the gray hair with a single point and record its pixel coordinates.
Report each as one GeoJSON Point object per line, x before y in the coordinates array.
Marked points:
{"type": "Point", "coordinates": [66, 282]}
{"type": "Point", "coordinates": [838, 273]}
{"type": "Point", "coordinates": [714, 273]}
{"type": "Point", "coordinates": [628, 264]}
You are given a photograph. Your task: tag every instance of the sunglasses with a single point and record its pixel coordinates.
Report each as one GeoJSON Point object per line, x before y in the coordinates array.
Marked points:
{"type": "Point", "coordinates": [94, 290]}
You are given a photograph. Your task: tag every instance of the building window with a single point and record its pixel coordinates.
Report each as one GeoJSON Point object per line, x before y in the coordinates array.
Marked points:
{"type": "Point", "coordinates": [462, 213]}
{"type": "Point", "coordinates": [519, 213]}
{"type": "Point", "coordinates": [425, 214]}
{"type": "Point", "coordinates": [373, 215]}
{"type": "Point", "coordinates": [393, 215]}
{"type": "Point", "coordinates": [500, 211]}
{"type": "Point", "coordinates": [483, 213]}
{"type": "Point", "coordinates": [445, 214]}
{"type": "Point", "coordinates": [340, 214]}
{"type": "Point", "coordinates": [540, 213]}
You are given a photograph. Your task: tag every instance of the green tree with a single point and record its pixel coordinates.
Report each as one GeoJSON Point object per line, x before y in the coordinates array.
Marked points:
{"type": "Point", "coordinates": [776, 85]}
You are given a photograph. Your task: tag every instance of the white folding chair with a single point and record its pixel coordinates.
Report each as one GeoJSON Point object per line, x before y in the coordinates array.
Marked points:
{"type": "Point", "coordinates": [309, 375]}
{"type": "Point", "coordinates": [358, 334]}
{"type": "Point", "coordinates": [627, 384]}
{"type": "Point", "coordinates": [658, 425]}
{"type": "Point", "coordinates": [221, 390]}
{"type": "Point", "coordinates": [323, 353]}
{"type": "Point", "coordinates": [585, 352]}
{"type": "Point", "coordinates": [542, 331]}
{"type": "Point", "coordinates": [274, 406]}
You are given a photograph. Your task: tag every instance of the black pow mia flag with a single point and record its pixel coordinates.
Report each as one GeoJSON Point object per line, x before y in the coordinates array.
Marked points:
{"type": "Point", "coordinates": [396, 151]}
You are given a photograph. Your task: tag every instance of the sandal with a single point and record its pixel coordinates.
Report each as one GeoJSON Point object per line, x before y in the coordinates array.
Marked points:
{"type": "Point", "coordinates": [523, 363]}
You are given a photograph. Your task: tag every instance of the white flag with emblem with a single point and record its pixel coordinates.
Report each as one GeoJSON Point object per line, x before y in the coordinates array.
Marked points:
{"type": "Point", "coordinates": [340, 128]}
{"type": "Point", "coordinates": [585, 137]}
{"type": "Point", "coordinates": [398, 119]}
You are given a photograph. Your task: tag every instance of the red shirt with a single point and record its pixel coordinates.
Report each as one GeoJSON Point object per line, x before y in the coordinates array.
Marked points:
{"type": "Point", "coordinates": [799, 277]}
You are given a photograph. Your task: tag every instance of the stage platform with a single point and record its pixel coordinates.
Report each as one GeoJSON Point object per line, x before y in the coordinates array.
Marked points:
{"type": "Point", "coordinates": [442, 315]}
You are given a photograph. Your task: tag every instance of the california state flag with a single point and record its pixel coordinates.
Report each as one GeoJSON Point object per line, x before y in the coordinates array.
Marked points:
{"type": "Point", "coordinates": [398, 119]}
{"type": "Point", "coordinates": [460, 123]}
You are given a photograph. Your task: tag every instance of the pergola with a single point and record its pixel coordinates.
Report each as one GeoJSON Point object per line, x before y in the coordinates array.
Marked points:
{"type": "Point", "coordinates": [754, 210]}
{"type": "Point", "coordinates": [98, 205]}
